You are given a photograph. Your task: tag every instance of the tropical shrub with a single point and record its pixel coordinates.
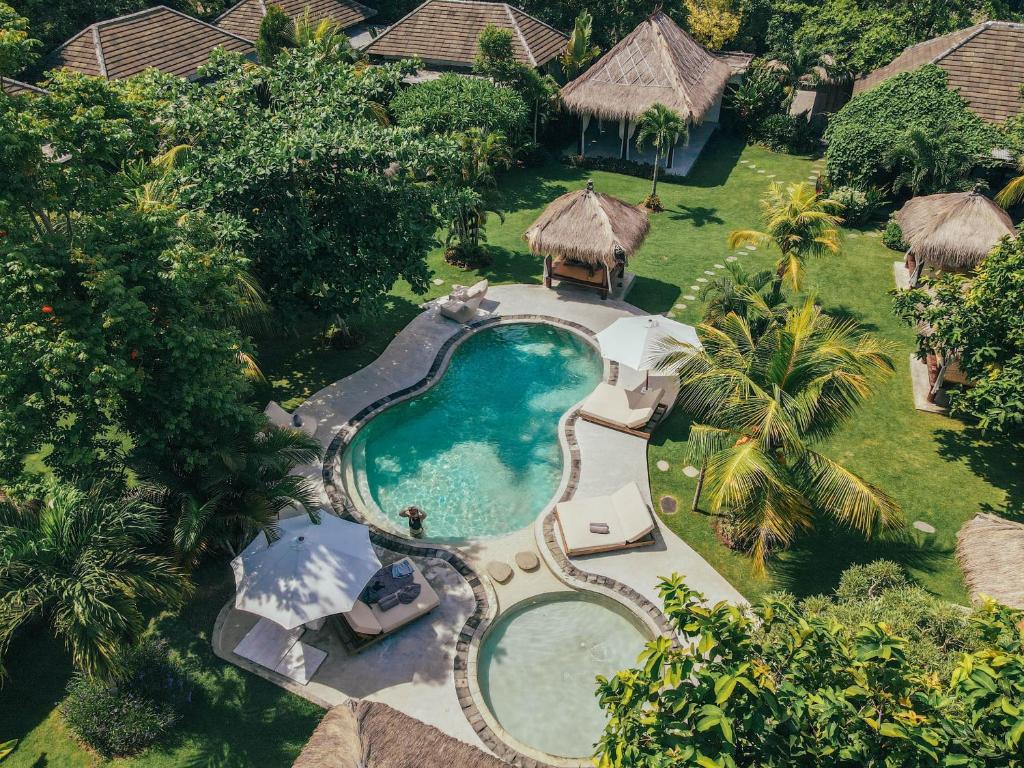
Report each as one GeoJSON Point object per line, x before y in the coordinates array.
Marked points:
{"type": "Point", "coordinates": [453, 104]}
{"type": "Point", "coordinates": [978, 321]}
{"type": "Point", "coordinates": [759, 94]}
{"type": "Point", "coordinates": [859, 207]}
{"type": "Point", "coordinates": [783, 132]}
{"type": "Point", "coordinates": [777, 687]}
{"type": "Point", "coordinates": [862, 134]}
{"type": "Point", "coordinates": [134, 710]}
{"type": "Point", "coordinates": [892, 236]}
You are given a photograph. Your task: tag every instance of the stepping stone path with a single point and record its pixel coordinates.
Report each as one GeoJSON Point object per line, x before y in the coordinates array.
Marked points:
{"type": "Point", "coordinates": [702, 279]}
{"type": "Point", "coordinates": [691, 471]}
{"type": "Point", "coordinates": [760, 171]}
{"type": "Point", "coordinates": [680, 306]}
{"type": "Point", "coordinates": [688, 297]}
{"type": "Point", "coordinates": [669, 505]}
{"type": "Point", "coordinates": [731, 258]}
{"type": "Point", "coordinates": [719, 266]}
{"type": "Point", "coordinates": [662, 466]}
{"type": "Point", "coordinates": [438, 281]}
{"type": "Point", "coordinates": [527, 561]}
{"type": "Point", "coordinates": [751, 247]}
{"type": "Point", "coordinates": [771, 175]}
{"type": "Point", "coordinates": [499, 571]}
{"type": "Point", "coordinates": [924, 527]}
{"type": "Point", "coordinates": [708, 272]}
{"type": "Point", "coordinates": [694, 287]}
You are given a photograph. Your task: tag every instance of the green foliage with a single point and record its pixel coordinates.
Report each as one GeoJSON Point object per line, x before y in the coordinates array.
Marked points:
{"type": "Point", "coordinates": [453, 104]}
{"type": "Point", "coordinates": [118, 308]}
{"type": "Point", "coordinates": [892, 236]}
{"type": "Point", "coordinates": [759, 94]}
{"type": "Point", "coordinates": [579, 51]}
{"type": "Point", "coordinates": [978, 321]}
{"type": "Point", "coordinates": [662, 128]}
{"type": "Point", "coordinates": [336, 205]}
{"type": "Point", "coordinates": [134, 710]}
{"type": "Point", "coordinates": [777, 687]}
{"type": "Point", "coordinates": [924, 164]}
{"type": "Point", "coordinates": [81, 561]}
{"type": "Point", "coordinates": [863, 132]}
{"type": "Point", "coordinates": [17, 49]}
{"type": "Point", "coordinates": [859, 207]}
{"type": "Point", "coordinates": [276, 34]}
{"type": "Point", "coordinates": [783, 132]}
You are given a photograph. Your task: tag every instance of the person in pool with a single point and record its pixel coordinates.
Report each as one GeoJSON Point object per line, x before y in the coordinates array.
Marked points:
{"type": "Point", "coordinates": [415, 516]}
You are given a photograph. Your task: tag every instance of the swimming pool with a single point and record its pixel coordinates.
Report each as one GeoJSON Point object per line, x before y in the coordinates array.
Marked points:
{"type": "Point", "coordinates": [479, 451]}
{"type": "Point", "coordinates": [538, 664]}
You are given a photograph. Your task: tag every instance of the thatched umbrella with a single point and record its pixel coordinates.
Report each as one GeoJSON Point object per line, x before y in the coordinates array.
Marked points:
{"type": "Point", "coordinates": [990, 550]}
{"type": "Point", "coordinates": [367, 734]}
{"type": "Point", "coordinates": [953, 231]}
{"type": "Point", "coordinates": [588, 226]}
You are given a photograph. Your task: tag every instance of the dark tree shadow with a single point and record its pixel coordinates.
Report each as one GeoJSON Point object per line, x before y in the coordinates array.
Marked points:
{"type": "Point", "coordinates": [845, 313]}
{"type": "Point", "coordinates": [697, 215]}
{"type": "Point", "coordinates": [653, 295]}
{"type": "Point", "coordinates": [999, 460]}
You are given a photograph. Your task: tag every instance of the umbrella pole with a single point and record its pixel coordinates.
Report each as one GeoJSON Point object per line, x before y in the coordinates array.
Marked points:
{"type": "Point", "coordinates": [647, 380]}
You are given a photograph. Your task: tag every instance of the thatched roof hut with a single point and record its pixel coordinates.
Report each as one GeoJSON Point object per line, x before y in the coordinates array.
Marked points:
{"type": "Point", "coordinates": [655, 63]}
{"type": "Point", "coordinates": [991, 553]}
{"type": "Point", "coordinates": [953, 231]}
{"type": "Point", "coordinates": [367, 734]}
{"type": "Point", "coordinates": [589, 227]}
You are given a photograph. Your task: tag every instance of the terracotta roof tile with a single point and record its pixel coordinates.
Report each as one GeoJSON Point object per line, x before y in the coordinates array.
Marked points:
{"type": "Point", "coordinates": [445, 33]}
{"type": "Point", "coordinates": [244, 18]}
{"type": "Point", "coordinates": [158, 37]}
{"type": "Point", "coordinates": [984, 62]}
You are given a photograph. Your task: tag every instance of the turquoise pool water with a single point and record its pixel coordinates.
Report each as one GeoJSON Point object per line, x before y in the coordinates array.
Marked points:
{"type": "Point", "coordinates": [537, 669]}
{"type": "Point", "coordinates": [479, 451]}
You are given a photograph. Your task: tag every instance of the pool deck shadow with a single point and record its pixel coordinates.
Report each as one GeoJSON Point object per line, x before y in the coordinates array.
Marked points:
{"type": "Point", "coordinates": [428, 669]}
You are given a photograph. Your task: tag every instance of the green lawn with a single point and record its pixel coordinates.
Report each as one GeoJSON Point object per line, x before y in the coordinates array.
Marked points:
{"type": "Point", "coordinates": [939, 471]}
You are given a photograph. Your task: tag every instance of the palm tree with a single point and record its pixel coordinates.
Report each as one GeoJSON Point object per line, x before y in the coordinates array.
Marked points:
{"type": "Point", "coordinates": [1013, 192]}
{"type": "Point", "coordinates": [747, 294]}
{"type": "Point", "coordinates": [483, 153]}
{"type": "Point", "coordinates": [82, 561]}
{"type": "Point", "coordinates": [239, 492]}
{"type": "Point", "coordinates": [800, 223]}
{"type": "Point", "coordinates": [579, 52]}
{"type": "Point", "coordinates": [662, 128]}
{"type": "Point", "coordinates": [759, 405]}
{"type": "Point", "coordinates": [924, 163]}
{"type": "Point", "coordinates": [326, 34]}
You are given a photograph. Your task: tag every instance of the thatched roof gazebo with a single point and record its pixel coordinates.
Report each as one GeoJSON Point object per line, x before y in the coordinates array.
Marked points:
{"type": "Point", "coordinates": [587, 237]}
{"type": "Point", "coordinates": [367, 734]}
{"type": "Point", "coordinates": [990, 550]}
{"type": "Point", "coordinates": [655, 63]}
{"type": "Point", "coordinates": [952, 232]}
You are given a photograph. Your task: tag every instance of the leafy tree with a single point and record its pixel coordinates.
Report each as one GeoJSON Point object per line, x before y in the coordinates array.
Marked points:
{"type": "Point", "coordinates": [276, 34]}
{"type": "Point", "coordinates": [799, 222]}
{"type": "Point", "coordinates": [453, 104]}
{"type": "Point", "coordinates": [482, 154]}
{"type": "Point", "coordinates": [579, 51]}
{"type": "Point", "coordinates": [118, 308]}
{"type": "Point", "coordinates": [17, 49]}
{"type": "Point", "coordinates": [81, 561]}
{"type": "Point", "coordinates": [238, 493]}
{"type": "Point", "coordinates": [759, 94]}
{"type": "Point", "coordinates": [759, 405]}
{"type": "Point", "coordinates": [713, 23]}
{"type": "Point", "coordinates": [924, 164]}
{"type": "Point", "coordinates": [862, 132]}
{"type": "Point", "coordinates": [978, 322]}
{"type": "Point", "coordinates": [776, 687]}
{"type": "Point", "coordinates": [286, 149]}
{"type": "Point", "coordinates": [662, 127]}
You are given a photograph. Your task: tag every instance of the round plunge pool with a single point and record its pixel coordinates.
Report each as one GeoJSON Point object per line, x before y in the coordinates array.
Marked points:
{"type": "Point", "coordinates": [538, 663]}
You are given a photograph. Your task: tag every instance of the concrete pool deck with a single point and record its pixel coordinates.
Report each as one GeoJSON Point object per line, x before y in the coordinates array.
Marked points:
{"type": "Point", "coordinates": [422, 670]}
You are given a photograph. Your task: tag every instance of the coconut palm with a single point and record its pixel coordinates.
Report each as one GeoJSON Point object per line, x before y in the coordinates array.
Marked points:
{"type": "Point", "coordinates": [325, 34]}
{"type": "Point", "coordinates": [81, 561]}
{"type": "Point", "coordinates": [799, 222]}
{"type": "Point", "coordinates": [579, 52]}
{"type": "Point", "coordinates": [747, 294]}
{"type": "Point", "coordinates": [1013, 192]}
{"type": "Point", "coordinates": [662, 127]}
{"type": "Point", "coordinates": [238, 494]}
{"type": "Point", "coordinates": [923, 163]}
{"type": "Point", "coordinates": [760, 405]}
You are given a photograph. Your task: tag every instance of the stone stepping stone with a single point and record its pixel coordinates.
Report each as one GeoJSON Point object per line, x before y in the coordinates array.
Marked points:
{"type": "Point", "coordinates": [813, 177]}
{"type": "Point", "coordinates": [752, 247]}
{"type": "Point", "coordinates": [760, 170]}
{"type": "Point", "coordinates": [702, 279]}
{"type": "Point", "coordinates": [680, 306]}
{"type": "Point", "coordinates": [499, 571]}
{"type": "Point", "coordinates": [731, 258]}
{"type": "Point", "coordinates": [719, 266]}
{"type": "Point", "coordinates": [691, 471]}
{"type": "Point", "coordinates": [771, 175]}
{"type": "Point", "coordinates": [688, 297]}
{"type": "Point", "coordinates": [527, 561]}
{"type": "Point", "coordinates": [669, 505]}
{"type": "Point", "coordinates": [662, 466]}
{"type": "Point", "coordinates": [708, 272]}
{"type": "Point", "coordinates": [744, 162]}
{"type": "Point", "coordinates": [438, 281]}
{"type": "Point", "coordinates": [924, 527]}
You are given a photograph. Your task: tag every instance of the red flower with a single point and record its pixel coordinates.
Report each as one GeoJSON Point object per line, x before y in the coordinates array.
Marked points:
{"type": "Point", "coordinates": [135, 354]}
{"type": "Point", "coordinates": [47, 309]}
{"type": "Point", "coordinates": [3, 233]}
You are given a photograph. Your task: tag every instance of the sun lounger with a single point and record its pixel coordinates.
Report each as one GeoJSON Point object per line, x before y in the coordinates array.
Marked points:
{"type": "Point", "coordinates": [627, 410]}
{"type": "Point", "coordinates": [279, 417]}
{"type": "Point", "coordinates": [625, 513]}
{"type": "Point", "coordinates": [272, 646]}
{"type": "Point", "coordinates": [372, 621]}
{"type": "Point", "coordinates": [464, 303]}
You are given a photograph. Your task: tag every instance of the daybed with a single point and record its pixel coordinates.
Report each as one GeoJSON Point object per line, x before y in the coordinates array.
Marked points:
{"type": "Point", "coordinates": [371, 621]}
{"type": "Point", "coordinates": [627, 410]}
{"type": "Point", "coordinates": [463, 303]}
{"type": "Point", "coordinates": [624, 514]}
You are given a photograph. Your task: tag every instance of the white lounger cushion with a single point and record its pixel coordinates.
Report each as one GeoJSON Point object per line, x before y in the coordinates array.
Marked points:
{"type": "Point", "coordinates": [272, 646]}
{"type": "Point", "coordinates": [625, 512]}
{"type": "Point", "coordinates": [628, 407]}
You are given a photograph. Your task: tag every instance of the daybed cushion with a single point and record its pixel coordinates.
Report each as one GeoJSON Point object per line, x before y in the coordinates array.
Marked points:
{"type": "Point", "coordinates": [459, 311]}
{"type": "Point", "coordinates": [625, 513]}
{"type": "Point", "coordinates": [362, 620]}
{"type": "Point", "coordinates": [371, 620]}
{"type": "Point", "coordinates": [629, 408]}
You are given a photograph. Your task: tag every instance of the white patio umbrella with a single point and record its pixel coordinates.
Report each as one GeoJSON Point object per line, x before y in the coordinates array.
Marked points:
{"type": "Point", "coordinates": [310, 572]}
{"type": "Point", "coordinates": [637, 342]}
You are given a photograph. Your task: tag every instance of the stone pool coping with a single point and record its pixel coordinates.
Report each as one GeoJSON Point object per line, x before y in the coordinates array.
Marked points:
{"type": "Point", "coordinates": [471, 699]}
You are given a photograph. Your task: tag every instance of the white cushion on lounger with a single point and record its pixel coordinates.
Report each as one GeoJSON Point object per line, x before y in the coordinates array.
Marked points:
{"type": "Point", "coordinates": [362, 620]}
{"type": "Point", "coordinates": [634, 517]}
{"type": "Point", "coordinates": [625, 512]}
{"type": "Point", "coordinates": [627, 407]}
{"type": "Point", "coordinates": [403, 613]}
